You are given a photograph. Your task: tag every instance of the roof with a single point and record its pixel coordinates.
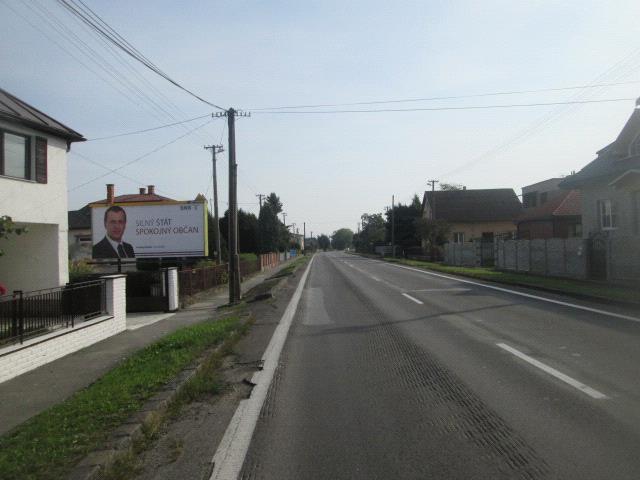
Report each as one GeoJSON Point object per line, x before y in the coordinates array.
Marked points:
{"type": "Point", "coordinates": [15, 110]}
{"type": "Point", "coordinates": [135, 198]}
{"type": "Point", "coordinates": [562, 203]}
{"type": "Point", "coordinates": [79, 219]}
{"type": "Point", "coordinates": [612, 161]}
{"type": "Point", "coordinates": [487, 205]}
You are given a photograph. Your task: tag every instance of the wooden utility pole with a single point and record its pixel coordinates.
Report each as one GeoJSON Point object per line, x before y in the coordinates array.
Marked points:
{"type": "Point", "coordinates": [260, 195]}
{"type": "Point", "coordinates": [433, 197]}
{"type": "Point", "coordinates": [216, 149]}
{"type": "Point", "coordinates": [284, 219]}
{"type": "Point", "coordinates": [234, 259]}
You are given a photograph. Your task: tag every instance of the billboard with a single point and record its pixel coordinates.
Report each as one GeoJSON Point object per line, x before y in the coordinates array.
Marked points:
{"type": "Point", "coordinates": [143, 230]}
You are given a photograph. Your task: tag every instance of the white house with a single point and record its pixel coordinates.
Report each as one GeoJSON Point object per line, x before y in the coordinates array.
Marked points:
{"type": "Point", "coordinates": [33, 192]}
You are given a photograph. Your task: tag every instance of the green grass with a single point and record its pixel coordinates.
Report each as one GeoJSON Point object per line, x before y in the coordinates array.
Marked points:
{"type": "Point", "coordinates": [294, 264]}
{"type": "Point", "coordinates": [561, 285]}
{"type": "Point", "coordinates": [248, 257]}
{"type": "Point", "coordinates": [50, 444]}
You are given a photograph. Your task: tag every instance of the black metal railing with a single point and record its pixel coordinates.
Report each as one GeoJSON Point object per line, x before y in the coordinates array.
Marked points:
{"type": "Point", "coordinates": [28, 314]}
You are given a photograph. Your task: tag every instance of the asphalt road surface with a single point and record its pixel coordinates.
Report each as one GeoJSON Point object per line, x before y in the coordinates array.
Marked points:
{"type": "Point", "coordinates": [392, 373]}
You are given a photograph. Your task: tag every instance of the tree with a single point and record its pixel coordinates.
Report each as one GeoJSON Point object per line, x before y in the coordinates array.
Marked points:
{"type": "Point", "coordinates": [323, 242]}
{"type": "Point", "coordinates": [269, 230]}
{"type": "Point", "coordinates": [247, 231]}
{"type": "Point", "coordinates": [434, 232]}
{"type": "Point", "coordinates": [372, 233]}
{"type": "Point", "coordinates": [342, 239]}
{"type": "Point", "coordinates": [405, 219]}
{"type": "Point", "coordinates": [8, 228]}
{"type": "Point", "coordinates": [273, 201]}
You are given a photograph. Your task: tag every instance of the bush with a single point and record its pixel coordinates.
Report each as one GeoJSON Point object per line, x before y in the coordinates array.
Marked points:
{"type": "Point", "coordinates": [79, 268]}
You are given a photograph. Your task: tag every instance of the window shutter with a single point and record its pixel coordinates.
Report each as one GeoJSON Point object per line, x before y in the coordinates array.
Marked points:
{"type": "Point", "coordinates": [41, 160]}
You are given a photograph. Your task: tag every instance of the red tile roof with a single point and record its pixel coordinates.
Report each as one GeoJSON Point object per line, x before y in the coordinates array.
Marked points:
{"type": "Point", "coordinates": [137, 197]}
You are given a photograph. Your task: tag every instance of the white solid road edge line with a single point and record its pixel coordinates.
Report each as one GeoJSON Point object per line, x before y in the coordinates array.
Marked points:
{"type": "Point", "coordinates": [412, 298]}
{"type": "Point", "coordinates": [522, 294]}
{"type": "Point", "coordinates": [231, 452]}
{"type": "Point", "coordinates": [552, 371]}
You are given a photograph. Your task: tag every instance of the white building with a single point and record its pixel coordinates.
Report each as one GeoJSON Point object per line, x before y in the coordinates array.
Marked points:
{"type": "Point", "coordinates": [33, 192]}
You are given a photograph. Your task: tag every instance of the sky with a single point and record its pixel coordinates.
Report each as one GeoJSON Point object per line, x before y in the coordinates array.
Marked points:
{"type": "Point", "coordinates": [327, 168]}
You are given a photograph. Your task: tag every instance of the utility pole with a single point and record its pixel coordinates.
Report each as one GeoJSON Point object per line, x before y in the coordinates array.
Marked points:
{"type": "Point", "coordinates": [393, 226]}
{"type": "Point", "coordinates": [260, 195]}
{"type": "Point", "coordinates": [214, 150]}
{"type": "Point", "coordinates": [433, 197]}
{"type": "Point", "coordinates": [234, 258]}
{"type": "Point", "coordinates": [304, 237]}
{"type": "Point", "coordinates": [284, 219]}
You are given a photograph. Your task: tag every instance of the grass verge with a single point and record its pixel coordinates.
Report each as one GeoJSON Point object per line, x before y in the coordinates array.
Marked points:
{"type": "Point", "coordinates": [289, 269]}
{"type": "Point", "coordinates": [51, 443]}
{"type": "Point", "coordinates": [561, 285]}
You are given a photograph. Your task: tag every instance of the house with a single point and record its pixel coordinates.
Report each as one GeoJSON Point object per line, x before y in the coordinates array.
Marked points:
{"type": "Point", "coordinates": [550, 212]}
{"type": "Point", "coordinates": [80, 232]}
{"type": "Point", "coordinates": [610, 187]}
{"type": "Point", "coordinates": [474, 214]}
{"type": "Point", "coordinates": [33, 192]}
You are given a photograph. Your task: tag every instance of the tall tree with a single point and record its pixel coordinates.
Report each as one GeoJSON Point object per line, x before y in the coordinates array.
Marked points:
{"type": "Point", "coordinates": [273, 201]}
{"type": "Point", "coordinates": [323, 242]}
{"type": "Point", "coordinates": [405, 220]}
{"type": "Point", "coordinates": [247, 231]}
{"type": "Point", "coordinates": [372, 232]}
{"type": "Point", "coordinates": [341, 239]}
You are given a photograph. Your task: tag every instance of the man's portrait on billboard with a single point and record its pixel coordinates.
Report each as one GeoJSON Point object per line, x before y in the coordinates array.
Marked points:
{"type": "Point", "coordinates": [112, 246]}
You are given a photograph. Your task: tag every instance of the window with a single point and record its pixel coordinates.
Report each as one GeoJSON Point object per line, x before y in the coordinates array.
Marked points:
{"type": "Point", "coordinates": [19, 160]}
{"type": "Point", "coordinates": [543, 198]}
{"type": "Point", "coordinates": [607, 214]}
{"type": "Point", "coordinates": [529, 200]}
{"type": "Point", "coordinates": [458, 237]}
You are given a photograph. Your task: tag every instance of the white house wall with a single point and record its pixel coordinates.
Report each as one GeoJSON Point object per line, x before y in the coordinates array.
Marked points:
{"type": "Point", "coordinates": [43, 209]}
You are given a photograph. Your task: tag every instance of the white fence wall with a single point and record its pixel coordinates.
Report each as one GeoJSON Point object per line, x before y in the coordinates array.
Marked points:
{"type": "Point", "coordinates": [18, 359]}
{"type": "Point", "coordinates": [558, 257]}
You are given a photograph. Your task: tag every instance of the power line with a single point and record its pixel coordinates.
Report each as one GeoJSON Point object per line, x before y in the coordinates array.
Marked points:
{"type": "Point", "coordinates": [137, 158]}
{"type": "Point", "coordinates": [95, 22]}
{"type": "Point", "coordinates": [149, 129]}
{"type": "Point", "coordinates": [434, 109]}
{"type": "Point", "coordinates": [448, 97]}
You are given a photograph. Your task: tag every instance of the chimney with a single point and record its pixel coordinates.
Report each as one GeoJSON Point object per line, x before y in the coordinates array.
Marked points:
{"type": "Point", "coordinates": [151, 189]}
{"type": "Point", "coordinates": [143, 190]}
{"type": "Point", "coordinates": [110, 193]}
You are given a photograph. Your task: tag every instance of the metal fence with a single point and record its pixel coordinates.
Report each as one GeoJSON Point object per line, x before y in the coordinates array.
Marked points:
{"type": "Point", "coordinates": [196, 280]}
{"type": "Point", "coordinates": [28, 314]}
{"type": "Point", "coordinates": [199, 279]}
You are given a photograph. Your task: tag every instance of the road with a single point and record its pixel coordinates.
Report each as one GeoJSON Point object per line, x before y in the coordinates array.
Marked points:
{"type": "Point", "coordinates": [393, 373]}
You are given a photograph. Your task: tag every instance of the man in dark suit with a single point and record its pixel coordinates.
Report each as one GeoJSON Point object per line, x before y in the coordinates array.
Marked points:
{"type": "Point", "coordinates": [112, 246]}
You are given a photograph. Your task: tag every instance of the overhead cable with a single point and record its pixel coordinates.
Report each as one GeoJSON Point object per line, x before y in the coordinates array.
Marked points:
{"type": "Point", "coordinates": [102, 28]}
{"type": "Point", "coordinates": [448, 97]}
{"type": "Point", "coordinates": [433, 109]}
{"type": "Point", "coordinates": [149, 129]}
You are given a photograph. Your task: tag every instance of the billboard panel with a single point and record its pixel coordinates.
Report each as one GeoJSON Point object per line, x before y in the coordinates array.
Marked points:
{"type": "Point", "coordinates": [128, 230]}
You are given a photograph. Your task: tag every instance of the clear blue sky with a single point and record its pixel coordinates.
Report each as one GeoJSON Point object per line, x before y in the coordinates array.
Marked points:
{"type": "Point", "coordinates": [328, 169]}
